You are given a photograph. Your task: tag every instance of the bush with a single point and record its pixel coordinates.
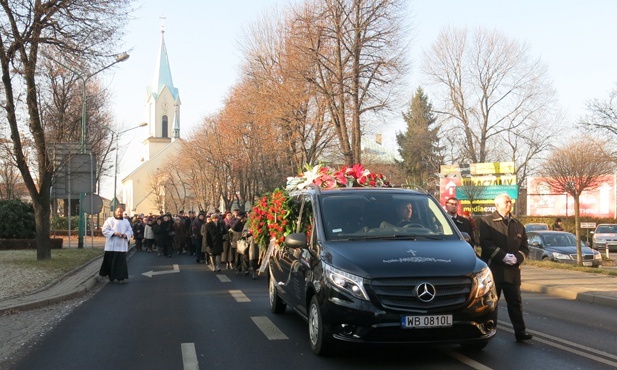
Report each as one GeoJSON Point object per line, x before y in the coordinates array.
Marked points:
{"type": "Point", "coordinates": [62, 223]}
{"type": "Point", "coordinates": [17, 220]}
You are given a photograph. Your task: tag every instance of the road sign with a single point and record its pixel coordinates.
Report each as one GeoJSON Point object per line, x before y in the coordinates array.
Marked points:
{"type": "Point", "coordinates": [588, 225]}
{"type": "Point", "coordinates": [92, 203]}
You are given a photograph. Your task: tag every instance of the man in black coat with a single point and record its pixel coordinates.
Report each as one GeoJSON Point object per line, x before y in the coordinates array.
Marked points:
{"type": "Point", "coordinates": [504, 249]}
{"type": "Point", "coordinates": [461, 222]}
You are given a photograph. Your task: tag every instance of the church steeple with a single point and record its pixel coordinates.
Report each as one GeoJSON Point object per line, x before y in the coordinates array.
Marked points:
{"type": "Point", "coordinates": [162, 71]}
{"type": "Point", "coordinates": [162, 105]}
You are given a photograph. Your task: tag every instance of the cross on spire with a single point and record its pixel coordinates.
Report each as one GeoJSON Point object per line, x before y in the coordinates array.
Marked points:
{"type": "Point", "coordinates": [162, 18]}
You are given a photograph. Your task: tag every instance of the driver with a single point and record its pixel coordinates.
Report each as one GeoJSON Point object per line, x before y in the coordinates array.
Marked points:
{"type": "Point", "coordinates": [404, 211]}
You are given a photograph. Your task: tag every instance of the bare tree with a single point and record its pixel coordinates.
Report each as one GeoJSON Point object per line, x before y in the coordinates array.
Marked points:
{"type": "Point", "coordinates": [10, 179]}
{"type": "Point", "coordinates": [85, 30]}
{"type": "Point", "coordinates": [471, 191]}
{"type": "Point", "coordinates": [355, 46]}
{"type": "Point", "coordinates": [573, 169]}
{"type": "Point", "coordinates": [489, 88]}
{"type": "Point", "coordinates": [602, 114]}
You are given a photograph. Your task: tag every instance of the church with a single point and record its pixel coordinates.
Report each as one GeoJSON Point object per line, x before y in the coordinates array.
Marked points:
{"type": "Point", "coordinates": [141, 189]}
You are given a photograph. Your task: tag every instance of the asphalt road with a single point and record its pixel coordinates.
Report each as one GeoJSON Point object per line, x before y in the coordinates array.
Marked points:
{"type": "Point", "coordinates": [185, 316]}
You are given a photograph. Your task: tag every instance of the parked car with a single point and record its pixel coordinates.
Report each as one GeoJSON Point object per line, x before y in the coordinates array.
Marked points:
{"type": "Point", "coordinates": [536, 226]}
{"type": "Point", "coordinates": [605, 235]}
{"type": "Point", "coordinates": [358, 276]}
{"type": "Point", "coordinates": [560, 246]}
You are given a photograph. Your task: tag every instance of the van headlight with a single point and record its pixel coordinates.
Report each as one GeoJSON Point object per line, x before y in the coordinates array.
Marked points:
{"type": "Point", "coordinates": [352, 284]}
{"type": "Point", "coordinates": [484, 281]}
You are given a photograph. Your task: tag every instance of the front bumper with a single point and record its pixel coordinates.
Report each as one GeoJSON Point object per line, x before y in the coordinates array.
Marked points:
{"type": "Point", "coordinates": [353, 320]}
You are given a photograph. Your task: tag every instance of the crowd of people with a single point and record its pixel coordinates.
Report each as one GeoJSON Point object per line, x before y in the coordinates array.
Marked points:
{"type": "Point", "coordinates": [210, 238]}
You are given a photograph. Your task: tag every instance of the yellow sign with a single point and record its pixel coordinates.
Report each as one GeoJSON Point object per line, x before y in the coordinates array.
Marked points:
{"type": "Point", "coordinates": [489, 180]}
{"type": "Point", "coordinates": [491, 168]}
{"type": "Point", "coordinates": [449, 169]}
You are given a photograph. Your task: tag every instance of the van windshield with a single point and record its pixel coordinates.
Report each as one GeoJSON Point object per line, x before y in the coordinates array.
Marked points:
{"type": "Point", "coordinates": [378, 215]}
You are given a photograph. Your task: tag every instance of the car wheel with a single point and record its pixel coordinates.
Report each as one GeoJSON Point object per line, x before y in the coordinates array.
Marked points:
{"type": "Point", "coordinates": [320, 344]}
{"type": "Point", "coordinates": [276, 303]}
{"type": "Point", "coordinates": [474, 346]}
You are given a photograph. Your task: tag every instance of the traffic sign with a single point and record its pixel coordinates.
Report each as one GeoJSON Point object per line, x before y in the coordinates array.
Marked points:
{"type": "Point", "coordinates": [588, 225]}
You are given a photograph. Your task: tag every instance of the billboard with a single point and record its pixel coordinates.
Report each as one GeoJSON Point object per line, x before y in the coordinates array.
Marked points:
{"type": "Point", "coordinates": [480, 182]}
{"type": "Point", "coordinates": [542, 200]}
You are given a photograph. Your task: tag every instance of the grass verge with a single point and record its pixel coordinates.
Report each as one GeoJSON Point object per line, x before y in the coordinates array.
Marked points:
{"type": "Point", "coordinates": [62, 260]}
{"type": "Point", "coordinates": [564, 266]}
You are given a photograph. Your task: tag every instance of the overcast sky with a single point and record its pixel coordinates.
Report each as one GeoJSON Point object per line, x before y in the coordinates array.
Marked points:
{"type": "Point", "coordinates": [575, 39]}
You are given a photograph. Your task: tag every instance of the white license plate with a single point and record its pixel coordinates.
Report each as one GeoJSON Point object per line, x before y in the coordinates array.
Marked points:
{"type": "Point", "coordinates": [430, 321]}
{"type": "Point", "coordinates": [587, 263]}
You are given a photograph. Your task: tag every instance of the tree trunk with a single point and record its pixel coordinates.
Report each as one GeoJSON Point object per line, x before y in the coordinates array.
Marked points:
{"type": "Point", "coordinates": [41, 217]}
{"type": "Point", "coordinates": [577, 224]}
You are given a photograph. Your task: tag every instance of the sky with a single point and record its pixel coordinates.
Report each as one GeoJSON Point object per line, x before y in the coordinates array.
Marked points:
{"type": "Point", "coordinates": [576, 40]}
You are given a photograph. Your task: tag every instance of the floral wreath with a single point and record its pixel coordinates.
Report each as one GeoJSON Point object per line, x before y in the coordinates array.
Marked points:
{"type": "Point", "coordinates": [270, 218]}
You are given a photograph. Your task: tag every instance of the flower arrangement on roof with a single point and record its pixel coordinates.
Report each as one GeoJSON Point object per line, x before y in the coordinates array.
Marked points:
{"type": "Point", "coordinates": [271, 220]}
{"type": "Point", "coordinates": [329, 178]}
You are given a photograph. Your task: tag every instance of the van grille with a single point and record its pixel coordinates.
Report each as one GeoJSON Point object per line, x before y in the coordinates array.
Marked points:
{"type": "Point", "coordinates": [400, 293]}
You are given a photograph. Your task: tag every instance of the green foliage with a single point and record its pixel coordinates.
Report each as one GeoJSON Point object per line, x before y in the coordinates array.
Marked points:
{"type": "Point", "coordinates": [419, 145]}
{"type": "Point", "coordinates": [17, 220]}
{"type": "Point", "coordinates": [62, 223]}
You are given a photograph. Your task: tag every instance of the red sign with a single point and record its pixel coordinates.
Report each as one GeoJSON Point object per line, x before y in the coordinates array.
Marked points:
{"type": "Point", "coordinates": [542, 200]}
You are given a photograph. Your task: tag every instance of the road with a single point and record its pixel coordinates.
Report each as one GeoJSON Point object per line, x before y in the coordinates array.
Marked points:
{"type": "Point", "coordinates": [176, 314]}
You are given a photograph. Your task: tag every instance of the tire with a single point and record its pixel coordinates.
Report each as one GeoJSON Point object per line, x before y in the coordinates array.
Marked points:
{"type": "Point", "coordinates": [321, 345]}
{"type": "Point", "coordinates": [276, 303]}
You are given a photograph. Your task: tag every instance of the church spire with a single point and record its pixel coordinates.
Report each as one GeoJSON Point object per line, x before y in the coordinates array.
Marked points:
{"type": "Point", "coordinates": [162, 71]}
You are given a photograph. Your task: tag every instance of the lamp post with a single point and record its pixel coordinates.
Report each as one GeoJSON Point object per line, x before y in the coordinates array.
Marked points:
{"type": "Point", "coordinates": [117, 134]}
{"type": "Point", "coordinates": [84, 79]}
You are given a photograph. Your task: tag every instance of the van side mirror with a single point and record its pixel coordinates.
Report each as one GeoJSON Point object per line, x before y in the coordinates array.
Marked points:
{"type": "Point", "coordinates": [466, 236]}
{"type": "Point", "coordinates": [296, 240]}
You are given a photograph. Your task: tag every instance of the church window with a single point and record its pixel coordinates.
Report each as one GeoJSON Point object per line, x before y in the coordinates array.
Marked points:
{"type": "Point", "coordinates": [165, 128]}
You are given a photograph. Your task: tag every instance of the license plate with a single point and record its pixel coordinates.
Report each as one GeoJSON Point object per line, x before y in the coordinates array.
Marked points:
{"type": "Point", "coordinates": [587, 263]}
{"type": "Point", "coordinates": [430, 321]}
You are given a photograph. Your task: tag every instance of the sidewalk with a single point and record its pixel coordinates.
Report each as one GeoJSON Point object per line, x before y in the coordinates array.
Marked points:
{"type": "Point", "coordinates": [593, 288]}
{"type": "Point", "coordinates": [588, 287]}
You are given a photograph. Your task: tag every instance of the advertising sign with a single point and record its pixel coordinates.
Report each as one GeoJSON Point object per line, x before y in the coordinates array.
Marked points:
{"type": "Point", "coordinates": [542, 200]}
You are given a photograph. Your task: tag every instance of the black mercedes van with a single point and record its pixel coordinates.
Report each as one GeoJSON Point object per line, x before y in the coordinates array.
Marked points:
{"type": "Point", "coordinates": [358, 273]}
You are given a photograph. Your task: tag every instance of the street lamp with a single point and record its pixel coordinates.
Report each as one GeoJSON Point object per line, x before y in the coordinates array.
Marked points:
{"type": "Point", "coordinates": [84, 79]}
{"type": "Point", "coordinates": [117, 134]}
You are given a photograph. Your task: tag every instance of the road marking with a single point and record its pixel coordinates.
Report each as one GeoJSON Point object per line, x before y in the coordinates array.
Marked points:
{"type": "Point", "coordinates": [189, 356]}
{"type": "Point", "coordinates": [575, 348]}
{"type": "Point", "coordinates": [268, 328]}
{"type": "Point", "coordinates": [223, 278]}
{"type": "Point", "coordinates": [150, 273]}
{"type": "Point", "coordinates": [467, 361]}
{"type": "Point", "coordinates": [239, 296]}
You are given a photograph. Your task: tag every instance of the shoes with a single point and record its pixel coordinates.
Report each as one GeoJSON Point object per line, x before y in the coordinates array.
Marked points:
{"type": "Point", "coordinates": [523, 336]}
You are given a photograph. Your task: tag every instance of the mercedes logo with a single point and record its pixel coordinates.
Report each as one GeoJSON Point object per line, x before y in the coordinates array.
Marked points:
{"type": "Point", "coordinates": [425, 292]}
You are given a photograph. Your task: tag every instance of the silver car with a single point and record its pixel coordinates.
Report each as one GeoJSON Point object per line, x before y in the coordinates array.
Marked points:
{"type": "Point", "coordinates": [605, 235]}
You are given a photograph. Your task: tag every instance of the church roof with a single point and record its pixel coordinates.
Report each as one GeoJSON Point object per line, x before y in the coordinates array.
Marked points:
{"type": "Point", "coordinates": [162, 73]}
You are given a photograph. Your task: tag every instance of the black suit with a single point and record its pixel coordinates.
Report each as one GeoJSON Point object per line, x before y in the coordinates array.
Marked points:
{"type": "Point", "coordinates": [464, 225]}
{"type": "Point", "coordinates": [498, 237]}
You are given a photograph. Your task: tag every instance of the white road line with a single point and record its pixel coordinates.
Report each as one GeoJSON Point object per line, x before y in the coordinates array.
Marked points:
{"type": "Point", "coordinates": [189, 356]}
{"type": "Point", "coordinates": [568, 346]}
{"type": "Point", "coordinates": [268, 328]}
{"type": "Point", "coordinates": [223, 278]}
{"type": "Point", "coordinates": [467, 361]}
{"type": "Point", "coordinates": [239, 296]}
